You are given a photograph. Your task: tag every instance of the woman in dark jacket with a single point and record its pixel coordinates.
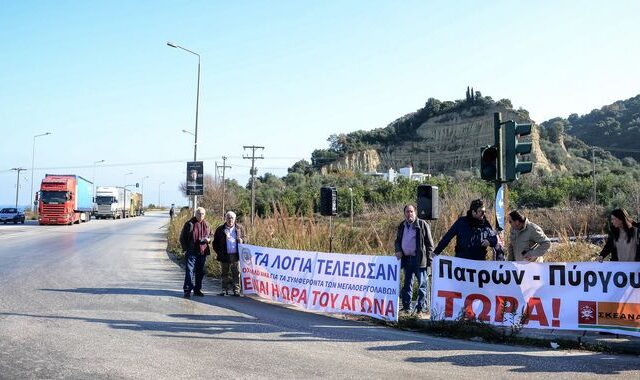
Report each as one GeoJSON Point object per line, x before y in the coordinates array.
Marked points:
{"type": "Point", "coordinates": [623, 242]}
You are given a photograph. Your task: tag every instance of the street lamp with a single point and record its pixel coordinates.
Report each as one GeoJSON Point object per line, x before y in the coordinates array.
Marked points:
{"type": "Point", "coordinates": [33, 156]}
{"type": "Point", "coordinates": [160, 184]}
{"type": "Point", "coordinates": [195, 135]}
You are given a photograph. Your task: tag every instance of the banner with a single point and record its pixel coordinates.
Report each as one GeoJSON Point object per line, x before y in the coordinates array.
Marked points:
{"type": "Point", "coordinates": [568, 296]}
{"type": "Point", "coordinates": [195, 178]}
{"type": "Point", "coordinates": [327, 282]}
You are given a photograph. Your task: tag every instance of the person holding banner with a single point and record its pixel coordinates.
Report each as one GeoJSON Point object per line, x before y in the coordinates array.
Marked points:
{"type": "Point", "coordinates": [195, 239]}
{"type": "Point", "coordinates": [225, 243]}
{"type": "Point", "coordinates": [473, 234]}
{"type": "Point", "coordinates": [527, 241]}
{"type": "Point", "coordinates": [414, 246]}
{"type": "Point", "coordinates": [623, 242]}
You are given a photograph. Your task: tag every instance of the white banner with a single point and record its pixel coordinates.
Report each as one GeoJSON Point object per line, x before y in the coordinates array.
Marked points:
{"type": "Point", "coordinates": [328, 282]}
{"type": "Point", "coordinates": [571, 296]}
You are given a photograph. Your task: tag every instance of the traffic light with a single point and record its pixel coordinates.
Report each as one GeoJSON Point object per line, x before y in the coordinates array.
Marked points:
{"type": "Point", "coordinates": [512, 148]}
{"type": "Point", "coordinates": [489, 163]}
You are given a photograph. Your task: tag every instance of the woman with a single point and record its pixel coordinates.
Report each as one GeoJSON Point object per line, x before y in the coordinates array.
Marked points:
{"type": "Point", "coordinates": [623, 242]}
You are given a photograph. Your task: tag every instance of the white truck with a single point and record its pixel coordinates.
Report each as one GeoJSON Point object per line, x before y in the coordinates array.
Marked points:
{"type": "Point", "coordinates": [110, 201]}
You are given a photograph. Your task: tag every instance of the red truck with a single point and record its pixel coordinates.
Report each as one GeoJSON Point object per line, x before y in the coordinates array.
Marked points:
{"type": "Point", "coordinates": [64, 199]}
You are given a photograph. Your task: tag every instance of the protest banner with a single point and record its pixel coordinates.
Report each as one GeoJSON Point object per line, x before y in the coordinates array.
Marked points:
{"type": "Point", "coordinates": [326, 282]}
{"type": "Point", "coordinates": [573, 296]}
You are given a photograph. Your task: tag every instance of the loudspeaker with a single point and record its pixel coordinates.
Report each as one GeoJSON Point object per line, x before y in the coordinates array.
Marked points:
{"type": "Point", "coordinates": [328, 201]}
{"type": "Point", "coordinates": [428, 208]}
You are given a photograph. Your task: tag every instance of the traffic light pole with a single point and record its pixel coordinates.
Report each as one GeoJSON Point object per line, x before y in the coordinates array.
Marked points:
{"type": "Point", "coordinates": [497, 141]}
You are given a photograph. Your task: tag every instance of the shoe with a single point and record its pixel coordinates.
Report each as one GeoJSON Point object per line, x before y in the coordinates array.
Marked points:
{"type": "Point", "coordinates": [187, 294]}
{"type": "Point", "coordinates": [420, 314]}
{"type": "Point", "coordinates": [198, 293]}
{"type": "Point", "coordinates": [404, 313]}
{"type": "Point", "coordinates": [223, 293]}
{"type": "Point", "coordinates": [236, 293]}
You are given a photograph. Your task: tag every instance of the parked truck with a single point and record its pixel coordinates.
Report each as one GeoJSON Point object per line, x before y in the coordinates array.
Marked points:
{"type": "Point", "coordinates": [136, 204]}
{"type": "Point", "coordinates": [109, 202]}
{"type": "Point", "coordinates": [64, 199]}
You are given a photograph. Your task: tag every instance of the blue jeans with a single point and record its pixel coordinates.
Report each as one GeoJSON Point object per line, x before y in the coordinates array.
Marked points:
{"type": "Point", "coordinates": [194, 271]}
{"type": "Point", "coordinates": [412, 268]}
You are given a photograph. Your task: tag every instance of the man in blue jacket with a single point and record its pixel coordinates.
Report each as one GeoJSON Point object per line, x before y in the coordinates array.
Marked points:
{"type": "Point", "coordinates": [414, 246]}
{"type": "Point", "coordinates": [473, 234]}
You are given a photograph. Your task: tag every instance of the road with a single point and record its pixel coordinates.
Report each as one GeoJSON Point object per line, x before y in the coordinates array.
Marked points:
{"type": "Point", "coordinates": [103, 300]}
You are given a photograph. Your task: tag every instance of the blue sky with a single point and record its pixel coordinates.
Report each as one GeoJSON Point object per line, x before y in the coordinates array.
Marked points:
{"type": "Point", "coordinates": [285, 75]}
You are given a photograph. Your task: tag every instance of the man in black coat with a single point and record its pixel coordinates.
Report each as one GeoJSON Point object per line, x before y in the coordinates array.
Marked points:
{"type": "Point", "coordinates": [195, 239]}
{"type": "Point", "coordinates": [225, 243]}
{"type": "Point", "coordinates": [414, 246]}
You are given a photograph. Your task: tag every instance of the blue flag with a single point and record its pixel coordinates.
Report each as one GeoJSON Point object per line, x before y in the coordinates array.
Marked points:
{"type": "Point", "coordinates": [500, 208]}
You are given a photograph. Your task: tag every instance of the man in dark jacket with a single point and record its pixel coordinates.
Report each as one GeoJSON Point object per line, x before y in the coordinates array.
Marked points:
{"type": "Point", "coordinates": [414, 246]}
{"type": "Point", "coordinates": [473, 234]}
{"type": "Point", "coordinates": [225, 243]}
{"type": "Point", "coordinates": [195, 239]}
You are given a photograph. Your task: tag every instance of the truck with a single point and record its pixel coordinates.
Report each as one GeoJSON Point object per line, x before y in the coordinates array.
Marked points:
{"type": "Point", "coordinates": [109, 202]}
{"type": "Point", "coordinates": [64, 199]}
{"type": "Point", "coordinates": [136, 204]}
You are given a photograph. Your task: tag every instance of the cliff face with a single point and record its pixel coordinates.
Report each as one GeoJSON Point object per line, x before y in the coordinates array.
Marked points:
{"type": "Point", "coordinates": [445, 144]}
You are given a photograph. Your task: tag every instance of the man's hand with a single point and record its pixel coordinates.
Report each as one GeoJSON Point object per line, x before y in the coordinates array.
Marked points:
{"type": "Point", "coordinates": [485, 243]}
{"type": "Point", "coordinates": [600, 259]}
{"type": "Point", "coordinates": [398, 255]}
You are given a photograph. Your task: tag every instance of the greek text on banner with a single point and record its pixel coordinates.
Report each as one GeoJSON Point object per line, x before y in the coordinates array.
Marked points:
{"type": "Point", "coordinates": [327, 282]}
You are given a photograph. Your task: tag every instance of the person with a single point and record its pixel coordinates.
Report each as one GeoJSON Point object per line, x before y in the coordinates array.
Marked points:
{"type": "Point", "coordinates": [172, 212]}
{"type": "Point", "coordinates": [473, 234]}
{"type": "Point", "coordinates": [192, 180]}
{"type": "Point", "coordinates": [194, 239]}
{"type": "Point", "coordinates": [527, 241]}
{"type": "Point", "coordinates": [225, 242]}
{"type": "Point", "coordinates": [414, 246]}
{"type": "Point", "coordinates": [623, 242]}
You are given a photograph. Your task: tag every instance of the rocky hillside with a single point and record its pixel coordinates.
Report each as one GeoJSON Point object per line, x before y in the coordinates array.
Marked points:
{"type": "Point", "coordinates": [443, 137]}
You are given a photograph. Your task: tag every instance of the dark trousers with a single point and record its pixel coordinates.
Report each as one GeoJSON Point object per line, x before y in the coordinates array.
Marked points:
{"type": "Point", "coordinates": [411, 269]}
{"type": "Point", "coordinates": [194, 271]}
{"type": "Point", "coordinates": [230, 282]}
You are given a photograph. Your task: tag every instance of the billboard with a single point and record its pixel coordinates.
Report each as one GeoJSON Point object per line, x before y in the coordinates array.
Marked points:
{"type": "Point", "coordinates": [195, 176]}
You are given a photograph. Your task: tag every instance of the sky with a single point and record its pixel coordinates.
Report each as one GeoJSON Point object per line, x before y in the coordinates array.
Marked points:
{"type": "Point", "coordinates": [285, 75]}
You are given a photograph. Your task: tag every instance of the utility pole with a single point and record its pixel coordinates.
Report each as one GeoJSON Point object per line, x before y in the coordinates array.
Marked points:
{"type": "Point", "coordinates": [215, 172]}
{"type": "Point", "coordinates": [593, 163]}
{"type": "Point", "coordinates": [224, 166]}
{"type": "Point", "coordinates": [253, 173]}
{"type": "Point", "coordinates": [18, 170]}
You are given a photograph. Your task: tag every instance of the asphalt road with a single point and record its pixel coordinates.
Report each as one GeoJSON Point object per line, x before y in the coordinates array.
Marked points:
{"type": "Point", "coordinates": [102, 300]}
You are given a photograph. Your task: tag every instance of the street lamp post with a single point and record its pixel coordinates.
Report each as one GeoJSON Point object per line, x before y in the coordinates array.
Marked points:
{"type": "Point", "coordinates": [195, 135]}
{"type": "Point", "coordinates": [33, 156]}
{"type": "Point", "coordinates": [159, 203]}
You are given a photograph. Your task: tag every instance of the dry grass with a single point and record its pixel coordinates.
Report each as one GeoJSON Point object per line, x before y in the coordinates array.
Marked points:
{"type": "Point", "coordinates": [373, 232]}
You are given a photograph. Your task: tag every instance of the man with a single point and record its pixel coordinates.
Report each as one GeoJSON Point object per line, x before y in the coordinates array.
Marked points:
{"type": "Point", "coordinates": [225, 243]}
{"type": "Point", "coordinates": [473, 234]}
{"type": "Point", "coordinates": [527, 241]}
{"type": "Point", "coordinates": [172, 212]}
{"type": "Point", "coordinates": [414, 246]}
{"type": "Point", "coordinates": [195, 239]}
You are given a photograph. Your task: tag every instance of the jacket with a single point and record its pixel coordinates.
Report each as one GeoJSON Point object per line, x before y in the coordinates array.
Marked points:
{"type": "Point", "coordinates": [610, 246]}
{"type": "Point", "coordinates": [531, 239]}
{"type": "Point", "coordinates": [469, 233]}
{"type": "Point", "coordinates": [220, 243]}
{"type": "Point", "coordinates": [186, 238]}
{"type": "Point", "coordinates": [424, 243]}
